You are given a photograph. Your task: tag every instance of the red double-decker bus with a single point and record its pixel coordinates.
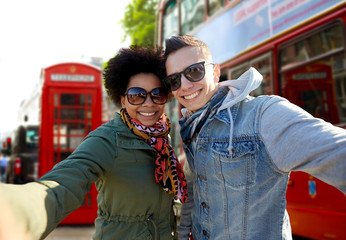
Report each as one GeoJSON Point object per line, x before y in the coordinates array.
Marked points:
{"type": "Point", "coordinates": [63, 109]}
{"type": "Point", "coordinates": [299, 48]}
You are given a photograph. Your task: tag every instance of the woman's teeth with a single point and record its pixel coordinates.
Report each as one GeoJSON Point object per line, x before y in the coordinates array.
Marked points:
{"type": "Point", "coordinates": [147, 114]}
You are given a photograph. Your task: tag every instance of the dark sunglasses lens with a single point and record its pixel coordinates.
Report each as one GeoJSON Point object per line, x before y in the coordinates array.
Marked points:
{"type": "Point", "coordinates": [172, 82]}
{"type": "Point", "coordinates": [195, 72]}
{"type": "Point", "coordinates": [136, 96]}
{"type": "Point", "coordinates": [159, 96]}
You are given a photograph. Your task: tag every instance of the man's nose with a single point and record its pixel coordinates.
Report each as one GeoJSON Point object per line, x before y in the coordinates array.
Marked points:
{"type": "Point", "coordinates": [185, 83]}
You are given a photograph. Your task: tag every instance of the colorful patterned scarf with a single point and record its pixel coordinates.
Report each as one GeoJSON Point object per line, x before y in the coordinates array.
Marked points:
{"type": "Point", "coordinates": [168, 171]}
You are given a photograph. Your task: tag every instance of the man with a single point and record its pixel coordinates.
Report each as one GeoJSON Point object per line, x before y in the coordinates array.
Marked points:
{"type": "Point", "coordinates": [3, 164]}
{"type": "Point", "coordinates": [241, 149]}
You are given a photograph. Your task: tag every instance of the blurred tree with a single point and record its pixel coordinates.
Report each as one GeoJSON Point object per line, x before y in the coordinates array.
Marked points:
{"type": "Point", "coordinates": [139, 22]}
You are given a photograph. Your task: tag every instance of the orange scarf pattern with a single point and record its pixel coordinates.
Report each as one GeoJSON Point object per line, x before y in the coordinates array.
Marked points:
{"type": "Point", "coordinates": [168, 171]}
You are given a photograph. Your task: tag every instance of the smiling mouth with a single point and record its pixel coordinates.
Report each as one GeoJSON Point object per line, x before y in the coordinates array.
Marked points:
{"type": "Point", "coordinates": [188, 97]}
{"type": "Point", "coordinates": [147, 114]}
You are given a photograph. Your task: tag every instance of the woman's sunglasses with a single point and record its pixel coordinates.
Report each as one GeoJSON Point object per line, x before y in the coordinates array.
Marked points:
{"type": "Point", "coordinates": [193, 73]}
{"type": "Point", "coordinates": [137, 95]}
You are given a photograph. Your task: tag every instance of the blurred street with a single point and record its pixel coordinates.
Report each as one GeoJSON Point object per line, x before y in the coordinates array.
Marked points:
{"type": "Point", "coordinates": [72, 232]}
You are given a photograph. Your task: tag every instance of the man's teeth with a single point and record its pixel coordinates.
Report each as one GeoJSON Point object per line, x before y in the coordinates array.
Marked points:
{"type": "Point", "coordinates": [147, 114]}
{"type": "Point", "coordinates": [191, 96]}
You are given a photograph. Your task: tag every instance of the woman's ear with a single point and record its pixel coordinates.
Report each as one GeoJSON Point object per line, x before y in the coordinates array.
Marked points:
{"type": "Point", "coordinates": [122, 100]}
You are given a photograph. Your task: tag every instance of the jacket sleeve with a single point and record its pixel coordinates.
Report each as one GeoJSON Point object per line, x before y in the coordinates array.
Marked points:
{"type": "Point", "coordinates": [41, 206]}
{"type": "Point", "coordinates": [296, 141]}
{"type": "Point", "coordinates": [184, 228]}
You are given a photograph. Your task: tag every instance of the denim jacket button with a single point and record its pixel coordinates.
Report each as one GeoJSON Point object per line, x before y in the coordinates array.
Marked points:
{"type": "Point", "coordinates": [204, 205]}
{"type": "Point", "coordinates": [205, 233]}
{"type": "Point", "coordinates": [201, 177]}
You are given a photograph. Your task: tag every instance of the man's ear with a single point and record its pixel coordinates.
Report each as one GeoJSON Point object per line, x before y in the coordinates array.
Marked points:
{"type": "Point", "coordinates": [217, 72]}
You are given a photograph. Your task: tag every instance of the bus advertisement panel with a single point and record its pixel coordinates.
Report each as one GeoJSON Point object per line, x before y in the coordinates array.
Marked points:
{"type": "Point", "coordinates": [251, 22]}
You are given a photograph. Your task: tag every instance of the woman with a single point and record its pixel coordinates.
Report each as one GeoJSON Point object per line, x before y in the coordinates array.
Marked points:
{"type": "Point", "coordinates": [136, 172]}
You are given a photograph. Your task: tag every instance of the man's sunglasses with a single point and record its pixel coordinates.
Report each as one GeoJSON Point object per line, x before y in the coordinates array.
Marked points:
{"type": "Point", "coordinates": [137, 95]}
{"type": "Point", "coordinates": [193, 73]}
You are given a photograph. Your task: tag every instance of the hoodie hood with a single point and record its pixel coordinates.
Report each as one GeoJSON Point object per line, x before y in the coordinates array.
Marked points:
{"type": "Point", "coordinates": [238, 90]}
{"type": "Point", "coordinates": [241, 87]}
{"type": "Point", "coordinates": [230, 93]}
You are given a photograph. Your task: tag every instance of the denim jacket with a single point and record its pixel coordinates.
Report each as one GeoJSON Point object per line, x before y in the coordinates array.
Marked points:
{"type": "Point", "coordinates": [241, 194]}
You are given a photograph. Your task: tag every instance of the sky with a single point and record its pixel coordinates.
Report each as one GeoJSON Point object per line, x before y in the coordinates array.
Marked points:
{"type": "Point", "coordinates": [35, 34]}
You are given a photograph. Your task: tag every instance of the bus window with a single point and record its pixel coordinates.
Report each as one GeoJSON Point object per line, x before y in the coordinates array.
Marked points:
{"type": "Point", "coordinates": [171, 20]}
{"type": "Point", "coordinates": [32, 138]}
{"type": "Point", "coordinates": [214, 6]}
{"type": "Point", "coordinates": [192, 14]}
{"type": "Point", "coordinates": [223, 75]}
{"type": "Point", "coordinates": [316, 45]}
{"type": "Point", "coordinates": [313, 74]}
{"type": "Point", "coordinates": [263, 65]}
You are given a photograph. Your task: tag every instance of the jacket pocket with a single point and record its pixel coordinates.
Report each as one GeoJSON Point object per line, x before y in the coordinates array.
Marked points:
{"type": "Point", "coordinates": [145, 235]}
{"type": "Point", "coordinates": [237, 168]}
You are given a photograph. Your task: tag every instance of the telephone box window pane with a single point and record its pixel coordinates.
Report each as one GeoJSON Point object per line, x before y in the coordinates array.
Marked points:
{"type": "Point", "coordinates": [68, 99]}
{"type": "Point", "coordinates": [56, 159]}
{"type": "Point", "coordinates": [55, 140]}
{"type": "Point", "coordinates": [56, 99]}
{"type": "Point", "coordinates": [89, 114]}
{"type": "Point", "coordinates": [72, 99]}
{"type": "Point", "coordinates": [75, 141]}
{"type": "Point", "coordinates": [73, 128]}
{"type": "Point", "coordinates": [89, 99]}
{"type": "Point", "coordinates": [63, 142]}
{"type": "Point", "coordinates": [56, 114]}
{"type": "Point", "coordinates": [82, 99]}
{"type": "Point", "coordinates": [64, 155]}
{"type": "Point", "coordinates": [72, 114]}
{"type": "Point", "coordinates": [60, 156]}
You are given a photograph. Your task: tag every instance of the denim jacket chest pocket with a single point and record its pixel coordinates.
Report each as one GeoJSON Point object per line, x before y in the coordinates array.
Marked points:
{"type": "Point", "coordinates": [237, 168]}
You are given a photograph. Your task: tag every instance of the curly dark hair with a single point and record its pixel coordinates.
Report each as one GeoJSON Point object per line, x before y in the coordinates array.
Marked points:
{"type": "Point", "coordinates": [128, 62]}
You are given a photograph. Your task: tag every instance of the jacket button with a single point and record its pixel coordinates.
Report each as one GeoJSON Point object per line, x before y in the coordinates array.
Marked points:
{"type": "Point", "coordinates": [202, 177]}
{"type": "Point", "coordinates": [205, 233]}
{"type": "Point", "coordinates": [204, 205]}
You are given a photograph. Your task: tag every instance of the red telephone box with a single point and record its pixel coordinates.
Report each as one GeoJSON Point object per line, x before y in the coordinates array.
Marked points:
{"type": "Point", "coordinates": [71, 106]}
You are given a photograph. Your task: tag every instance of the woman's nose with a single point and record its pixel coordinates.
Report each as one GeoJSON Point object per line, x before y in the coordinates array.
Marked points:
{"type": "Point", "coordinates": [148, 101]}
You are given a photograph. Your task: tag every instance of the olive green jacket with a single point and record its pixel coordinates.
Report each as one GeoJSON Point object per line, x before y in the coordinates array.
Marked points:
{"type": "Point", "coordinates": [131, 205]}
